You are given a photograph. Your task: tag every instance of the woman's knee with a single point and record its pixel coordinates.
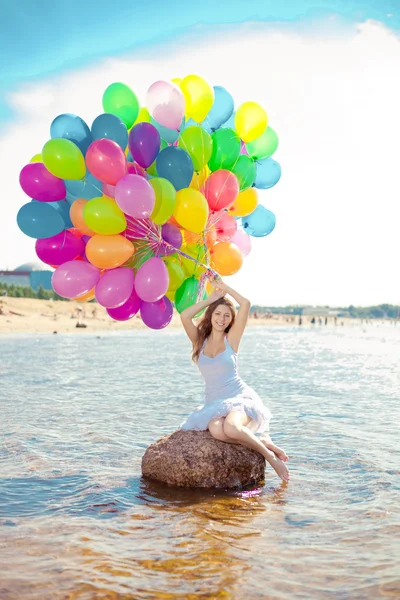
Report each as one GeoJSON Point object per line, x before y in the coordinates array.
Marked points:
{"type": "Point", "coordinates": [216, 428]}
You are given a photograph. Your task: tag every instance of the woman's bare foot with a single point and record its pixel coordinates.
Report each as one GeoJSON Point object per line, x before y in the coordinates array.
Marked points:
{"type": "Point", "coordinates": [278, 465]}
{"type": "Point", "coordinates": [268, 443]}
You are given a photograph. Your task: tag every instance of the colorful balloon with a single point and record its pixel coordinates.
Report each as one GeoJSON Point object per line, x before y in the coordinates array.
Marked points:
{"type": "Point", "coordinates": [191, 210]}
{"type": "Point", "coordinates": [165, 200]}
{"type": "Point", "coordinates": [60, 248]}
{"type": "Point", "coordinates": [221, 190]}
{"type": "Point", "coordinates": [106, 161]}
{"type": "Point", "coordinates": [245, 203]}
{"type": "Point", "coordinates": [226, 258]}
{"type": "Point", "coordinates": [115, 287]}
{"type": "Point", "coordinates": [76, 214]}
{"type": "Point", "coordinates": [268, 173]}
{"type": "Point", "coordinates": [166, 103]}
{"type": "Point", "coordinates": [264, 146]}
{"type": "Point", "coordinates": [251, 121]}
{"type": "Point", "coordinates": [173, 237]}
{"type": "Point", "coordinates": [38, 183]}
{"type": "Point", "coordinates": [157, 315]}
{"type": "Point", "coordinates": [245, 170]}
{"type": "Point", "coordinates": [198, 144]}
{"type": "Point", "coordinates": [127, 310]}
{"type": "Point", "coordinates": [199, 97]}
{"type": "Point", "coordinates": [226, 227]}
{"type": "Point", "coordinates": [175, 165]}
{"type": "Point", "coordinates": [108, 251]}
{"type": "Point", "coordinates": [63, 159]}
{"type": "Point", "coordinates": [242, 240]}
{"type": "Point", "coordinates": [135, 196]}
{"type": "Point", "coordinates": [221, 110]}
{"type": "Point", "coordinates": [103, 215]}
{"type": "Point", "coordinates": [110, 127]}
{"type": "Point", "coordinates": [144, 143]}
{"type": "Point", "coordinates": [186, 294]}
{"type": "Point", "coordinates": [168, 135]}
{"type": "Point", "coordinates": [260, 223]}
{"type": "Point", "coordinates": [152, 280]}
{"type": "Point", "coordinates": [39, 220]}
{"type": "Point", "coordinates": [73, 128]}
{"type": "Point", "coordinates": [89, 187]}
{"type": "Point", "coordinates": [175, 272]}
{"type": "Point", "coordinates": [225, 149]}
{"type": "Point", "coordinates": [120, 100]}
{"type": "Point", "coordinates": [74, 278]}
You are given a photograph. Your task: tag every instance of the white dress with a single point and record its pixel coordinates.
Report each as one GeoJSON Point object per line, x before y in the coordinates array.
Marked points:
{"type": "Point", "coordinates": [226, 392]}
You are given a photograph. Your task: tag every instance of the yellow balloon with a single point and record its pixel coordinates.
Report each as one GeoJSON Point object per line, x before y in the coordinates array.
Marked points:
{"type": "Point", "coordinates": [199, 97]}
{"type": "Point", "coordinates": [64, 159]}
{"type": "Point", "coordinates": [191, 210]}
{"type": "Point", "coordinates": [177, 81]}
{"type": "Point", "coordinates": [143, 116]}
{"type": "Point", "coordinates": [199, 179]}
{"type": "Point", "coordinates": [36, 158]}
{"type": "Point", "coordinates": [103, 215]}
{"type": "Point", "coordinates": [245, 203]}
{"type": "Point", "coordinates": [251, 121]}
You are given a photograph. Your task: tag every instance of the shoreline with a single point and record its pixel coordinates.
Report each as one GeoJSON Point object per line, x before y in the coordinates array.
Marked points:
{"type": "Point", "coordinates": [29, 315]}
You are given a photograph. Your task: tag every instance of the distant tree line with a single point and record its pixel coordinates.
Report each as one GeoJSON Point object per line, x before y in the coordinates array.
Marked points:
{"type": "Point", "coordinates": [382, 311]}
{"type": "Point", "coordinates": [22, 291]}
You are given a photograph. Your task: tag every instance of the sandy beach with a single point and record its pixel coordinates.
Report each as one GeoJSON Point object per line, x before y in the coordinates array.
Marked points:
{"type": "Point", "coordinates": [27, 315]}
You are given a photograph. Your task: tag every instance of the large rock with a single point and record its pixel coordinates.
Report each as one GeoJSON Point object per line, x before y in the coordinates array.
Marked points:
{"type": "Point", "coordinates": [196, 459]}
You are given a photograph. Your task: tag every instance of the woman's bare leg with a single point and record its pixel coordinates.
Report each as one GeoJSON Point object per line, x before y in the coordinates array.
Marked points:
{"type": "Point", "coordinates": [234, 427]}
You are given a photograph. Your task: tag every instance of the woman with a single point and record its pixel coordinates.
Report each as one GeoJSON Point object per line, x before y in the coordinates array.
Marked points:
{"type": "Point", "coordinates": [232, 411]}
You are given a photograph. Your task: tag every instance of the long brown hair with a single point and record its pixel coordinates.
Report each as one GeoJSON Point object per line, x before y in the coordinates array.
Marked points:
{"type": "Point", "coordinates": [204, 328]}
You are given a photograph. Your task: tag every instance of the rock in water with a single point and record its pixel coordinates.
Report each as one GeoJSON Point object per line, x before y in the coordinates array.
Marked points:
{"type": "Point", "coordinates": [196, 459]}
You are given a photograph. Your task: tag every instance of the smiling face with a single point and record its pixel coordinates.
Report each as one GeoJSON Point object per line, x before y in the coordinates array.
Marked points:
{"type": "Point", "coordinates": [221, 317]}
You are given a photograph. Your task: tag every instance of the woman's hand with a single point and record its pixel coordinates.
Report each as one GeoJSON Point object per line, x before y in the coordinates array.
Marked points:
{"type": "Point", "coordinates": [216, 294]}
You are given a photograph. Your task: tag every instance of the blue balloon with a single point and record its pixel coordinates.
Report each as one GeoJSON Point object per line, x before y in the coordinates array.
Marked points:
{"type": "Point", "coordinates": [260, 222]}
{"type": "Point", "coordinates": [230, 123]}
{"type": "Point", "coordinates": [221, 110]}
{"type": "Point", "coordinates": [110, 127]}
{"type": "Point", "coordinates": [71, 127]}
{"type": "Point", "coordinates": [175, 164]}
{"type": "Point", "coordinates": [63, 208]}
{"type": "Point", "coordinates": [268, 173]}
{"type": "Point", "coordinates": [39, 220]}
{"type": "Point", "coordinates": [89, 187]}
{"type": "Point", "coordinates": [169, 135]}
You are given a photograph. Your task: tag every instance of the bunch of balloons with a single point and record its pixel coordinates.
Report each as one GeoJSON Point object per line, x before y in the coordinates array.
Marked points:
{"type": "Point", "coordinates": [140, 210]}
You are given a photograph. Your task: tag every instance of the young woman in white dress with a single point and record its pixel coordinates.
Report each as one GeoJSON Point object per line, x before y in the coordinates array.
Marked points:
{"type": "Point", "coordinates": [232, 411]}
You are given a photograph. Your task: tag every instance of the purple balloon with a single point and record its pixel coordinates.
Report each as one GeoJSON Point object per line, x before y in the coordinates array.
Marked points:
{"type": "Point", "coordinates": [128, 309]}
{"type": "Point", "coordinates": [157, 315]}
{"type": "Point", "coordinates": [144, 144]}
{"type": "Point", "coordinates": [38, 183]}
{"type": "Point", "coordinates": [152, 280]}
{"type": "Point", "coordinates": [59, 248]}
{"type": "Point", "coordinates": [135, 196]}
{"type": "Point", "coordinates": [74, 278]}
{"type": "Point", "coordinates": [115, 287]}
{"type": "Point", "coordinates": [172, 235]}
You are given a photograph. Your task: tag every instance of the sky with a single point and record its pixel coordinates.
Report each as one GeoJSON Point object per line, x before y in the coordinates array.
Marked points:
{"type": "Point", "coordinates": [327, 74]}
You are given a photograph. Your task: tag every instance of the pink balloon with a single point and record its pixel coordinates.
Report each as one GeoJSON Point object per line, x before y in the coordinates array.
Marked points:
{"type": "Point", "coordinates": [108, 190]}
{"type": "Point", "coordinates": [115, 287]}
{"type": "Point", "coordinates": [152, 280]}
{"type": "Point", "coordinates": [135, 196]}
{"type": "Point", "coordinates": [106, 161]}
{"type": "Point", "coordinates": [242, 241]}
{"type": "Point", "coordinates": [157, 315]}
{"type": "Point", "coordinates": [59, 248]}
{"type": "Point", "coordinates": [38, 183]}
{"type": "Point", "coordinates": [128, 309]}
{"type": "Point", "coordinates": [74, 278]}
{"type": "Point", "coordinates": [226, 227]}
{"type": "Point", "coordinates": [135, 169]}
{"type": "Point", "coordinates": [166, 103]}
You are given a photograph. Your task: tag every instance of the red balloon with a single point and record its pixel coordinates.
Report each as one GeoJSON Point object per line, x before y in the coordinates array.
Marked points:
{"type": "Point", "coordinates": [106, 161]}
{"type": "Point", "coordinates": [221, 189]}
{"type": "Point", "coordinates": [226, 226]}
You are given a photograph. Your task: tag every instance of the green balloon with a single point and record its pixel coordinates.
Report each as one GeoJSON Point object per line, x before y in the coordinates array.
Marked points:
{"type": "Point", "coordinates": [246, 171]}
{"type": "Point", "coordinates": [152, 168]}
{"type": "Point", "coordinates": [175, 272]}
{"type": "Point", "coordinates": [120, 100]}
{"type": "Point", "coordinates": [165, 200]}
{"type": "Point", "coordinates": [186, 294]}
{"type": "Point", "coordinates": [198, 144]}
{"type": "Point", "coordinates": [264, 146]}
{"type": "Point", "coordinates": [225, 149]}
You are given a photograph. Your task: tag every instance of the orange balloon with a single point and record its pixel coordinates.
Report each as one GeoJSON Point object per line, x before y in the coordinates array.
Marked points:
{"type": "Point", "coordinates": [209, 236]}
{"type": "Point", "coordinates": [245, 203]}
{"type": "Point", "coordinates": [76, 216]}
{"type": "Point", "coordinates": [108, 251]}
{"type": "Point", "coordinates": [86, 297]}
{"type": "Point", "coordinates": [226, 258]}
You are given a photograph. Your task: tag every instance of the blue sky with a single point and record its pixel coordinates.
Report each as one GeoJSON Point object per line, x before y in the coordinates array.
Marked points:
{"type": "Point", "coordinates": [48, 36]}
{"type": "Point", "coordinates": [327, 74]}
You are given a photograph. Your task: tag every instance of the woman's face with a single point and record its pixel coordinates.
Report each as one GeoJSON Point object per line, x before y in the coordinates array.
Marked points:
{"type": "Point", "coordinates": [221, 317]}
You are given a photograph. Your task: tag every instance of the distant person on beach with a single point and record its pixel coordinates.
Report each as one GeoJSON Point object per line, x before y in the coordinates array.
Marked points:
{"type": "Point", "coordinates": [232, 411]}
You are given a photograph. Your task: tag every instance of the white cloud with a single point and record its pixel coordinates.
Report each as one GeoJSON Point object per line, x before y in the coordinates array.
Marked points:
{"type": "Point", "coordinates": [333, 101]}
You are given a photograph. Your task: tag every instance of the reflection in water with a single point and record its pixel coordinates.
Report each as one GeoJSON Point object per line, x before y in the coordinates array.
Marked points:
{"type": "Point", "coordinates": [77, 521]}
